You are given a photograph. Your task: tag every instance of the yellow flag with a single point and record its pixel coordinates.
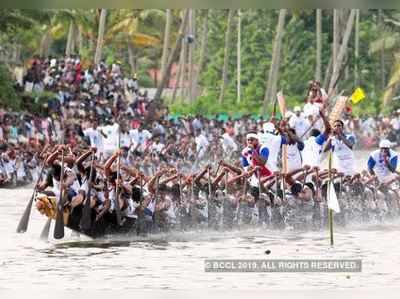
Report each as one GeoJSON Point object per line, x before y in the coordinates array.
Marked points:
{"type": "Point", "coordinates": [357, 96]}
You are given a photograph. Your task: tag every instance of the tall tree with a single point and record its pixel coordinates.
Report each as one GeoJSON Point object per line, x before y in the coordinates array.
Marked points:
{"type": "Point", "coordinates": [337, 65]}
{"type": "Point", "coordinates": [179, 74]}
{"type": "Point", "coordinates": [183, 77]}
{"type": "Point", "coordinates": [167, 34]}
{"type": "Point", "coordinates": [319, 44]}
{"type": "Point", "coordinates": [131, 57]}
{"type": "Point", "coordinates": [172, 56]}
{"type": "Point", "coordinates": [239, 57]}
{"type": "Point", "coordinates": [356, 47]}
{"type": "Point", "coordinates": [382, 52]}
{"type": "Point", "coordinates": [203, 50]}
{"type": "Point", "coordinates": [274, 68]}
{"type": "Point", "coordinates": [336, 38]}
{"type": "Point", "coordinates": [70, 47]}
{"type": "Point", "coordinates": [226, 55]}
{"type": "Point", "coordinates": [191, 46]}
{"type": "Point", "coordinates": [100, 36]}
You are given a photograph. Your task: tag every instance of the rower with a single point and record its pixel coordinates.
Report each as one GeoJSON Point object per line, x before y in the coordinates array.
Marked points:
{"type": "Point", "coordinates": [252, 156]}
{"type": "Point", "coordinates": [311, 153]}
{"type": "Point", "coordinates": [295, 148]}
{"type": "Point", "coordinates": [342, 145]}
{"type": "Point", "coordinates": [273, 142]}
{"type": "Point", "coordinates": [300, 200]}
{"type": "Point", "coordinates": [382, 162]}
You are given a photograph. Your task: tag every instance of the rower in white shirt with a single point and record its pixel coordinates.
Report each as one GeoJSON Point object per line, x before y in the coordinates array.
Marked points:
{"type": "Point", "coordinates": [342, 145]}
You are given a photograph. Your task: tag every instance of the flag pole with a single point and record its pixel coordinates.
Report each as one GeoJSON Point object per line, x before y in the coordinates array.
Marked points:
{"type": "Point", "coordinates": [330, 185]}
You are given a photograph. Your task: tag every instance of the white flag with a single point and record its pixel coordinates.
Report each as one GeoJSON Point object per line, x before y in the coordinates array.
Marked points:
{"type": "Point", "coordinates": [333, 203]}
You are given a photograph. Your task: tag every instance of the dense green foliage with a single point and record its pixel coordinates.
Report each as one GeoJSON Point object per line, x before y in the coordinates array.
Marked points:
{"type": "Point", "coordinates": [27, 29]}
{"type": "Point", "coordinates": [8, 96]}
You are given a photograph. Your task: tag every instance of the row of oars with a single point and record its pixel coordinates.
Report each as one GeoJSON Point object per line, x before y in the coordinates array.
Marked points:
{"type": "Point", "coordinates": [86, 219]}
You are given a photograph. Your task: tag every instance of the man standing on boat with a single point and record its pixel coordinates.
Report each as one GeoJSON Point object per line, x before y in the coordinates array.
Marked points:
{"type": "Point", "coordinates": [342, 145]}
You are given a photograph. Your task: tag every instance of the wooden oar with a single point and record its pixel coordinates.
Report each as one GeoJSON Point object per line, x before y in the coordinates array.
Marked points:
{"type": "Point", "coordinates": [117, 207]}
{"type": "Point", "coordinates": [259, 183]}
{"type": "Point", "coordinates": [59, 227]}
{"type": "Point", "coordinates": [44, 235]}
{"type": "Point", "coordinates": [86, 219]}
{"type": "Point", "coordinates": [141, 188]}
{"type": "Point", "coordinates": [209, 184]}
{"type": "Point", "coordinates": [24, 221]}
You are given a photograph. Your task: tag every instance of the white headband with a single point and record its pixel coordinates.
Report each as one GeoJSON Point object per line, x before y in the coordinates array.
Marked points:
{"type": "Point", "coordinates": [252, 135]}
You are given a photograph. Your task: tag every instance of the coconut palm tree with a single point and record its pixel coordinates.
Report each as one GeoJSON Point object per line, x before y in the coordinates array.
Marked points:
{"type": "Point", "coordinates": [274, 68]}
{"type": "Point", "coordinates": [226, 55]}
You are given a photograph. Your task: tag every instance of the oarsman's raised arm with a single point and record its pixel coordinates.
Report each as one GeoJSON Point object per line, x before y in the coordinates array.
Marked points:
{"type": "Point", "coordinates": [232, 168]}
{"type": "Point", "coordinates": [53, 156]}
{"type": "Point", "coordinates": [109, 163]}
{"type": "Point", "coordinates": [44, 151]}
{"type": "Point", "coordinates": [132, 171]}
{"type": "Point", "coordinates": [219, 177]}
{"type": "Point", "coordinates": [170, 179]}
{"type": "Point", "coordinates": [81, 159]}
{"type": "Point", "coordinates": [245, 174]}
{"type": "Point", "coordinates": [327, 125]}
{"type": "Point", "coordinates": [198, 177]}
{"type": "Point", "coordinates": [153, 180]}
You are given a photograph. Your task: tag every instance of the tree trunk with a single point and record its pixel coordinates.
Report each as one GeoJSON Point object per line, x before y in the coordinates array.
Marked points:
{"type": "Point", "coordinates": [319, 45]}
{"type": "Point", "coordinates": [203, 50]}
{"type": "Point", "coordinates": [274, 68]}
{"type": "Point", "coordinates": [192, 21]}
{"type": "Point", "coordinates": [100, 36]}
{"type": "Point", "coordinates": [382, 54]}
{"type": "Point", "coordinates": [79, 40]}
{"type": "Point", "coordinates": [182, 79]}
{"type": "Point", "coordinates": [179, 74]}
{"type": "Point", "coordinates": [167, 34]}
{"type": "Point", "coordinates": [45, 45]}
{"type": "Point", "coordinates": [328, 73]}
{"type": "Point", "coordinates": [356, 47]}
{"type": "Point", "coordinates": [131, 57]}
{"type": "Point", "coordinates": [336, 37]}
{"type": "Point", "coordinates": [226, 56]}
{"type": "Point", "coordinates": [73, 40]}
{"type": "Point", "coordinates": [239, 58]}
{"type": "Point", "coordinates": [172, 57]}
{"type": "Point", "coordinates": [337, 65]}
{"type": "Point", "coordinates": [70, 37]}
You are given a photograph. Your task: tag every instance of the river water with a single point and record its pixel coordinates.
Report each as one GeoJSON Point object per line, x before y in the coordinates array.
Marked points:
{"type": "Point", "coordinates": [175, 261]}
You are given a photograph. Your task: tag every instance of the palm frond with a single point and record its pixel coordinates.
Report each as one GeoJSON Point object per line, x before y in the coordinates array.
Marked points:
{"type": "Point", "coordinates": [388, 41]}
{"type": "Point", "coordinates": [144, 40]}
{"type": "Point", "coordinates": [127, 26]}
{"type": "Point", "coordinates": [393, 84]}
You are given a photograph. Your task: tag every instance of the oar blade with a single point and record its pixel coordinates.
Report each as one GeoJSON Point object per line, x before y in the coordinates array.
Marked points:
{"type": "Point", "coordinates": [24, 221]}
{"type": "Point", "coordinates": [59, 227]}
{"type": "Point", "coordinates": [86, 219]}
{"type": "Point", "coordinates": [45, 231]}
{"type": "Point", "coordinates": [118, 212]}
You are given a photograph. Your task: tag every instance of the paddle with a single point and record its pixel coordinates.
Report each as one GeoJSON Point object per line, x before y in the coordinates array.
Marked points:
{"type": "Point", "coordinates": [24, 221]}
{"type": "Point", "coordinates": [86, 219]}
{"type": "Point", "coordinates": [59, 227]}
{"type": "Point", "coordinates": [209, 183]}
{"type": "Point", "coordinates": [318, 117]}
{"type": "Point", "coordinates": [117, 207]}
{"type": "Point", "coordinates": [259, 183]}
{"type": "Point", "coordinates": [141, 188]}
{"type": "Point", "coordinates": [44, 235]}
